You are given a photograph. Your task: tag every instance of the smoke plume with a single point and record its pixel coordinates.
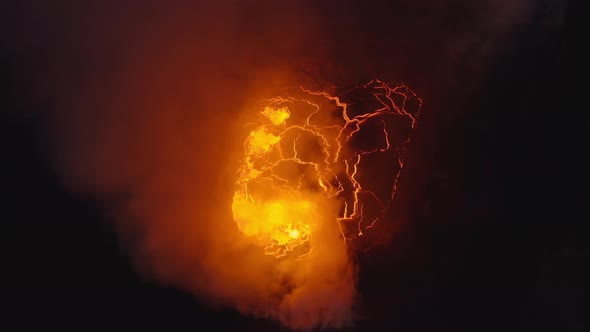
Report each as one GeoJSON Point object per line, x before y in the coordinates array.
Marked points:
{"type": "Point", "coordinates": [147, 110]}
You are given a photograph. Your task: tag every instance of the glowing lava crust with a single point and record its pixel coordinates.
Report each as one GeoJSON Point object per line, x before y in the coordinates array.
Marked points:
{"type": "Point", "coordinates": [308, 147]}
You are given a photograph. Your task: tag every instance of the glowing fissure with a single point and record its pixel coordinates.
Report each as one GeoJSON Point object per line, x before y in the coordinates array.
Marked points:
{"type": "Point", "coordinates": [307, 147]}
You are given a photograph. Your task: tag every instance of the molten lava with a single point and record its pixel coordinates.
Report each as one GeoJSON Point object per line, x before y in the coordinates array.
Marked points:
{"type": "Point", "coordinates": [307, 147]}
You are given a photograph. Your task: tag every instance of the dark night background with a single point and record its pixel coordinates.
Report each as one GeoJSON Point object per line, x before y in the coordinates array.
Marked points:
{"type": "Point", "coordinates": [494, 241]}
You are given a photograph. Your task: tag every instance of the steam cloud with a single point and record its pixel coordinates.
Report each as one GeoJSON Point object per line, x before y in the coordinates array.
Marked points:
{"type": "Point", "coordinates": [147, 110]}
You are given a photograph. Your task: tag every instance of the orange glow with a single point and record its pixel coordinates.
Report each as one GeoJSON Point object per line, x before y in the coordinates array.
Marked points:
{"type": "Point", "coordinates": [301, 152]}
{"type": "Point", "coordinates": [276, 116]}
{"type": "Point", "coordinates": [280, 225]}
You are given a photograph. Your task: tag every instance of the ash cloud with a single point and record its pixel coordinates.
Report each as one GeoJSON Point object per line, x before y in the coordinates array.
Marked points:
{"type": "Point", "coordinates": [147, 106]}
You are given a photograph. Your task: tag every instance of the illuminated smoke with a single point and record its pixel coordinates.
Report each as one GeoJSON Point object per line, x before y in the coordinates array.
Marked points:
{"type": "Point", "coordinates": [151, 107]}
